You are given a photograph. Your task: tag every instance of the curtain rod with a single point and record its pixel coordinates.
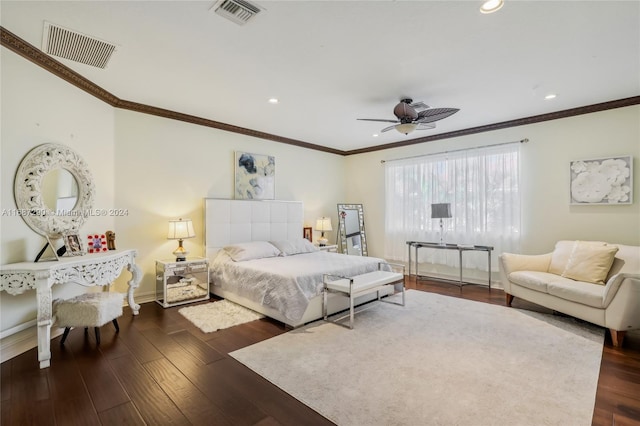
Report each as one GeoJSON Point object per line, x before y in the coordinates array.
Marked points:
{"type": "Point", "coordinates": [525, 140]}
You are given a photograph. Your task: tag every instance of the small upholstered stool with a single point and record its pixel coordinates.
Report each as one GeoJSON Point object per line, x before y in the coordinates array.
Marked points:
{"type": "Point", "coordinates": [88, 310]}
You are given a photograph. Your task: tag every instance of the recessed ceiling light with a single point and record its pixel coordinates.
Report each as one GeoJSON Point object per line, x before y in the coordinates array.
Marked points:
{"type": "Point", "coordinates": [550, 96]}
{"type": "Point", "coordinates": [375, 135]}
{"type": "Point", "coordinates": [273, 100]}
{"type": "Point", "coordinates": [491, 6]}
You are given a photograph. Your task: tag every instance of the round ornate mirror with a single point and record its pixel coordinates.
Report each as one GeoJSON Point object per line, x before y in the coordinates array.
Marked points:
{"type": "Point", "coordinates": [54, 190]}
{"type": "Point", "coordinates": [60, 191]}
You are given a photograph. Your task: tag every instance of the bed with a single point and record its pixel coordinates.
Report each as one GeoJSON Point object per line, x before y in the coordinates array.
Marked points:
{"type": "Point", "coordinates": [258, 259]}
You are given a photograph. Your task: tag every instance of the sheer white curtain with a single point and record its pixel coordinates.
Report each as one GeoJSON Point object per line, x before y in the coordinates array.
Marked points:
{"type": "Point", "coordinates": [482, 186]}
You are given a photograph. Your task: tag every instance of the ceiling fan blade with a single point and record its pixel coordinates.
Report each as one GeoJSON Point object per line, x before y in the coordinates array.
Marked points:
{"type": "Point", "coordinates": [426, 126]}
{"type": "Point", "coordinates": [419, 106]}
{"type": "Point", "coordinates": [435, 114]}
{"type": "Point", "coordinates": [386, 129]}
{"type": "Point", "coordinates": [375, 119]}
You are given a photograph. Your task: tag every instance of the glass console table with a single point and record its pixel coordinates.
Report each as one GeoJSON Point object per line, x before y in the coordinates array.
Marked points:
{"type": "Point", "coordinates": [416, 245]}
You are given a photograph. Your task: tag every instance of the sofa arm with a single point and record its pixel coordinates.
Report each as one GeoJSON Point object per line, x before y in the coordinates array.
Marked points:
{"type": "Point", "coordinates": [622, 312]}
{"type": "Point", "coordinates": [614, 283]}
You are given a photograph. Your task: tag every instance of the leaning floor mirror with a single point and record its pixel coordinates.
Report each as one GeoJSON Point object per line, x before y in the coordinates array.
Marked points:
{"type": "Point", "coordinates": [351, 236]}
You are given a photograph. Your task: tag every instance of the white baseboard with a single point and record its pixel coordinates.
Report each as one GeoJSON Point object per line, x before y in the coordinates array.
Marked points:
{"type": "Point", "coordinates": [24, 337]}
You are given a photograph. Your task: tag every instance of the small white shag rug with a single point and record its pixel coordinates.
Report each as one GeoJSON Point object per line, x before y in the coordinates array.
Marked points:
{"type": "Point", "coordinates": [438, 361]}
{"type": "Point", "coordinates": [214, 316]}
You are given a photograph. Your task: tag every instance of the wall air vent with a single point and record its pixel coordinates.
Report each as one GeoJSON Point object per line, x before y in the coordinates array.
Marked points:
{"type": "Point", "coordinates": [238, 11]}
{"type": "Point", "coordinates": [75, 46]}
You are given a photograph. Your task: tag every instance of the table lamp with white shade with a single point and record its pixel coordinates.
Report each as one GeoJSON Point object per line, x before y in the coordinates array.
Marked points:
{"type": "Point", "coordinates": [180, 229]}
{"type": "Point", "coordinates": [323, 224]}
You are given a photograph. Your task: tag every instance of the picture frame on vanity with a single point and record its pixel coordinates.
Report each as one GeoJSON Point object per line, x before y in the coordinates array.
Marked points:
{"type": "Point", "coordinates": [602, 181]}
{"type": "Point", "coordinates": [96, 243]}
{"type": "Point", "coordinates": [73, 244]}
{"type": "Point", "coordinates": [307, 233]}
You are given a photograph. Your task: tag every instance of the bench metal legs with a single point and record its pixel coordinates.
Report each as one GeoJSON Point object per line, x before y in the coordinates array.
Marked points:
{"type": "Point", "coordinates": [352, 298]}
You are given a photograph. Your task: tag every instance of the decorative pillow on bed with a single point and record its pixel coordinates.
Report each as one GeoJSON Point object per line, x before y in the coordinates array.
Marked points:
{"type": "Point", "coordinates": [252, 250]}
{"type": "Point", "coordinates": [296, 246]}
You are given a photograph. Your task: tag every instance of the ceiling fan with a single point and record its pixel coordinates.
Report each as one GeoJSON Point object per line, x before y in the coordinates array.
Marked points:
{"type": "Point", "coordinates": [414, 116]}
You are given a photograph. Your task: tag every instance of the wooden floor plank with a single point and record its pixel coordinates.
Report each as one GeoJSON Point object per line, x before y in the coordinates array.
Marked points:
{"type": "Point", "coordinates": [138, 346]}
{"type": "Point", "coordinates": [188, 398]}
{"type": "Point", "coordinates": [196, 347]}
{"type": "Point", "coordinates": [34, 413]}
{"type": "Point", "coordinates": [237, 409]}
{"type": "Point", "coordinates": [76, 411]}
{"type": "Point", "coordinates": [5, 380]}
{"type": "Point", "coordinates": [229, 340]}
{"type": "Point", "coordinates": [102, 383]}
{"type": "Point", "coordinates": [152, 403]}
{"type": "Point", "coordinates": [125, 414]}
{"type": "Point", "coordinates": [95, 370]}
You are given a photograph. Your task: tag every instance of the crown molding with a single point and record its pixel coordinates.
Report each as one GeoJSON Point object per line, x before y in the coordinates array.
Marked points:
{"type": "Point", "coordinates": [35, 55]}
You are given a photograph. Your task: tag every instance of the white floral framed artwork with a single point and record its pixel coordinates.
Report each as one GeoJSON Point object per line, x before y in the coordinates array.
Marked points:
{"type": "Point", "coordinates": [255, 176]}
{"type": "Point", "coordinates": [606, 181]}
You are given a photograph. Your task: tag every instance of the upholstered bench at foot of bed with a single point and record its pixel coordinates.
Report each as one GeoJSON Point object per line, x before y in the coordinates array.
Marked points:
{"type": "Point", "coordinates": [359, 285]}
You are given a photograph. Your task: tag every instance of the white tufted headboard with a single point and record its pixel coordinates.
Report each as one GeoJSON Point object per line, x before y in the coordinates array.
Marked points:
{"type": "Point", "coordinates": [240, 221]}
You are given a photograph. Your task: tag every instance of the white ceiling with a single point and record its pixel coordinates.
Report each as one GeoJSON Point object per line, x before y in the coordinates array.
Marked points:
{"type": "Point", "coordinates": [331, 62]}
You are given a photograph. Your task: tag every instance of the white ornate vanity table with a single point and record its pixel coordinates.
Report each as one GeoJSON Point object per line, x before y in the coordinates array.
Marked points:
{"type": "Point", "coordinates": [89, 270]}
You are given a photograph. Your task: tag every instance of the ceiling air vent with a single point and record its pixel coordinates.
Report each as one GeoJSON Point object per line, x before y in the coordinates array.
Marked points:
{"type": "Point", "coordinates": [75, 46]}
{"type": "Point", "coordinates": [238, 11]}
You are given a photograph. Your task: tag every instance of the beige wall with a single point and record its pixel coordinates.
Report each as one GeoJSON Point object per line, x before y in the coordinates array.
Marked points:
{"type": "Point", "coordinates": [546, 213]}
{"type": "Point", "coordinates": [165, 168]}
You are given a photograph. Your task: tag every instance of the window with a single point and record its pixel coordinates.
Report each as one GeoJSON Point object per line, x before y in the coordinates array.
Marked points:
{"type": "Point", "coordinates": [482, 186]}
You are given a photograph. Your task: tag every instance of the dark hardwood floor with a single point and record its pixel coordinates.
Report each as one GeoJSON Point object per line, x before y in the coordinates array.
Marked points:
{"type": "Point", "coordinates": [160, 369]}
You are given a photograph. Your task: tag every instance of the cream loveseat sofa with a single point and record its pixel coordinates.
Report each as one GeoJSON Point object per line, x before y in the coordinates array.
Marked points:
{"type": "Point", "coordinates": [593, 281]}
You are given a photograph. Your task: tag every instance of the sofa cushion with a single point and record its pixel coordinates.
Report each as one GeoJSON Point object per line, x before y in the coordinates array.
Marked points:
{"type": "Point", "coordinates": [562, 253]}
{"type": "Point", "coordinates": [533, 280]}
{"type": "Point", "coordinates": [577, 291]}
{"type": "Point", "coordinates": [590, 263]}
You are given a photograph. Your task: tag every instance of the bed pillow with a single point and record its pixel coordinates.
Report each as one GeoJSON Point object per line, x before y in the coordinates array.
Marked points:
{"type": "Point", "coordinates": [252, 250]}
{"type": "Point", "coordinates": [590, 263]}
{"type": "Point", "coordinates": [295, 246]}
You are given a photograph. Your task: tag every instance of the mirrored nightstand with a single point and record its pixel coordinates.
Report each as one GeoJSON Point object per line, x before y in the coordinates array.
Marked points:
{"type": "Point", "coordinates": [333, 248]}
{"type": "Point", "coordinates": [181, 282]}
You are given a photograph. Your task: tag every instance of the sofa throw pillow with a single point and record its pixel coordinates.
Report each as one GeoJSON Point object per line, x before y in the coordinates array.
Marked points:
{"type": "Point", "coordinates": [295, 246]}
{"type": "Point", "coordinates": [252, 250]}
{"type": "Point", "coordinates": [562, 252]}
{"type": "Point", "coordinates": [590, 263]}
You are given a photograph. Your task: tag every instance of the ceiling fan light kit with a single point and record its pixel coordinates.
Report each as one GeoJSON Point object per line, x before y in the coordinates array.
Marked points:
{"type": "Point", "coordinates": [406, 128]}
{"type": "Point", "coordinates": [412, 116]}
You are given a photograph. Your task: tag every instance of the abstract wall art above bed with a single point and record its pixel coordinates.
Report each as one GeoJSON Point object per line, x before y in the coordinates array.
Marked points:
{"type": "Point", "coordinates": [255, 176]}
{"type": "Point", "coordinates": [602, 181]}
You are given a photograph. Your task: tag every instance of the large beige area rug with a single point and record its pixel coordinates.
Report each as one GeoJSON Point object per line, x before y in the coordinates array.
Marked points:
{"type": "Point", "coordinates": [438, 361]}
{"type": "Point", "coordinates": [213, 316]}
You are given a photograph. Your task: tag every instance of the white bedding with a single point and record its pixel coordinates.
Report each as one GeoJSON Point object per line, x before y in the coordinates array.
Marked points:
{"type": "Point", "coordinates": [285, 283]}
